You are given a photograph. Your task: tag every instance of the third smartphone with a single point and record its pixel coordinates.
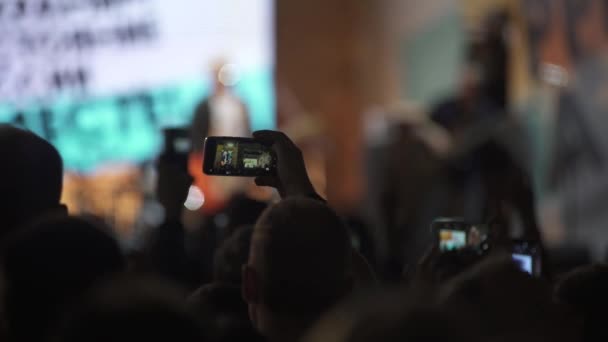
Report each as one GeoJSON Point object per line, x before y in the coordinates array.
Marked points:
{"type": "Point", "coordinates": [455, 234]}
{"type": "Point", "coordinates": [526, 256]}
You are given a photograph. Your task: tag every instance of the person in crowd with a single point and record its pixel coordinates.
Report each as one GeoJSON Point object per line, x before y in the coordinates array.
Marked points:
{"type": "Point", "coordinates": [425, 324]}
{"type": "Point", "coordinates": [290, 272]}
{"type": "Point", "coordinates": [300, 265]}
{"type": "Point", "coordinates": [583, 290]}
{"type": "Point", "coordinates": [31, 178]}
{"type": "Point", "coordinates": [187, 257]}
{"type": "Point", "coordinates": [242, 209]}
{"type": "Point", "coordinates": [410, 198]}
{"type": "Point", "coordinates": [220, 305]}
{"type": "Point", "coordinates": [483, 88]}
{"type": "Point", "coordinates": [292, 180]}
{"type": "Point", "coordinates": [231, 256]}
{"type": "Point", "coordinates": [395, 315]}
{"type": "Point", "coordinates": [223, 312]}
{"type": "Point", "coordinates": [164, 252]}
{"type": "Point", "coordinates": [46, 267]}
{"type": "Point", "coordinates": [301, 258]}
{"type": "Point", "coordinates": [222, 113]}
{"type": "Point", "coordinates": [577, 158]}
{"type": "Point", "coordinates": [484, 135]}
{"type": "Point", "coordinates": [509, 303]}
{"type": "Point", "coordinates": [131, 309]}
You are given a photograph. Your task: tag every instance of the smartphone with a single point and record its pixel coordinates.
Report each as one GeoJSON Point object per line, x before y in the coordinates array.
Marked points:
{"type": "Point", "coordinates": [177, 146]}
{"type": "Point", "coordinates": [526, 256]}
{"type": "Point", "coordinates": [243, 157]}
{"type": "Point", "coordinates": [455, 234]}
{"type": "Point", "coordinates": [177, 141]}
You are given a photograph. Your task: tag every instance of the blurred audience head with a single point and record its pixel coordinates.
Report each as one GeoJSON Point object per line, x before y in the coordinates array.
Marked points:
{"type": "Point", "coordinates": [583, 290]}
{"type": "Point", "coordinates": [394, 316]}
{"type": "Point", "coordinates": [232, 254]}
{"type": "Point", "coordinates": [223, 312]}
{"type": "Point", "coordinates": [299, 267]}
{"type": "Point", "coordinates": [420, 324]}
{"type": "Point", "coordinates": [509, 303]}
{"type": "Point", "coordinates": [31, 177]}
{"type": "Point", "coordinates": [47, 266]}
{"type": "Point", "coordinates": [132, 309]}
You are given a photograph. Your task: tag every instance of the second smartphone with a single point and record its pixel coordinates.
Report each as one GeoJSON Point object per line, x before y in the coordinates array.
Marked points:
{"type": "Point", "coordinates": [235, 156]}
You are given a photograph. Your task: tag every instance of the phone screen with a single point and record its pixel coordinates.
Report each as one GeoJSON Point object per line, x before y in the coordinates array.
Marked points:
{"type": "Point", "coordinates": [524, 262]}
{"type": "Point", "coordinates": [452, 239]}
{"type": "Point", "coordinates": [246, 157]}
{"type": "Point", "coordinates": [455, 234]}
{"type": "Point", "coordinates": [525, 256]}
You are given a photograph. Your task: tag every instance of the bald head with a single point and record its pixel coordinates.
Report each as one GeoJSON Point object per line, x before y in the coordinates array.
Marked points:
{"type": "Point", "coordinates": [30, 177]}
{"type": "Point", "coordinates": [301, 251]}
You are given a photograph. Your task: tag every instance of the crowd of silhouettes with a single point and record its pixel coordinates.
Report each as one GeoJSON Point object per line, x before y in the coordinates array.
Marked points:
{"type": "Point", "coordinates": [293, 274]}
{"type": "Point", "coordinates": [296, 269]}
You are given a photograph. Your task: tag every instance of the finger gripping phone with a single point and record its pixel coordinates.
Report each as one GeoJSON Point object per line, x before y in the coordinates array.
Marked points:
{"type": "Point", "coordinates": [240, 157]}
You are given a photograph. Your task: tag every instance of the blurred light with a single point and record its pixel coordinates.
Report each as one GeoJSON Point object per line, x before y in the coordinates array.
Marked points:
{"type": "Point", "coordinates": [228, 75]}
{"type": "Point", "coordinates": [554, 74]}
{"type": "Point", "coordinates": [195, 199]}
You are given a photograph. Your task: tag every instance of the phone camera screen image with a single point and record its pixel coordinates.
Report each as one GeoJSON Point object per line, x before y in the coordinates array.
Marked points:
{"type": "Point", "coordinates": [239, 157]}
{"type": "Point", "coordinates": [523, 261]}
{"type": "Point", "coordinates": [452, 239]}
{"type": "Point", "coordinates": [254, 157]}
{"type": "Point", "coordinates": [225, 157]}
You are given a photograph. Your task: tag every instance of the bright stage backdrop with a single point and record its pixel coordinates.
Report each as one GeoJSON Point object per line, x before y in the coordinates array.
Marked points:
{"type": "Point", "coordinates": [100, 78]}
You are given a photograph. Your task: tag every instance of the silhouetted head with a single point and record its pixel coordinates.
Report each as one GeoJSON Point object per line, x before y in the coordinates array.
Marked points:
{"type": "Point", "coordinates": [30, 177]}
{"type": "Point", "coordinates": [394, 316]}
{"type": "Point", "coordinates": [223, 313]}
{"type": "Point", "coordinates": [132, 309]}
{"type": "Point", "coordinates": [299, 266]}
{"type": "Point", "coordinates": [231, 256]}
{"type": "Point", "coordinates": [584, 291]}
{"type": "Point", "coordinates": [509, 302]}
{"type": "Point", "coordinates": [48, 266]}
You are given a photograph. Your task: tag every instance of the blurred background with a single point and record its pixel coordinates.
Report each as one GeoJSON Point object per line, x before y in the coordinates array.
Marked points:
{"type": "Point", "coordinates": [401, 107]}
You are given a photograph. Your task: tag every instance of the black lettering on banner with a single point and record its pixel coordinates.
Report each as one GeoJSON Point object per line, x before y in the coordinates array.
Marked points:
{"type": "Point", "coordinates": [19, 10]}
{"type": "Point", "coordinates": [69, 79]}
{"type": "Point", "coordinates": [45, 117]}
{"type": "Point", "coordinates": [19, 120]}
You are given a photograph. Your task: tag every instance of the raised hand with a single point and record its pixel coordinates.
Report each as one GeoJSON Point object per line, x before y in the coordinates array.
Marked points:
{"type": "Point", "coordinates": [172, 188]}
{"type": "Point", "coordinates": [291, 178]}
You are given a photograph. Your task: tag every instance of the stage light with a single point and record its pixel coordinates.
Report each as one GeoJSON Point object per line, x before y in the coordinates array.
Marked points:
{"type": "Point", "coordinates": [228, 75]}
{"type": "Point", "coordinates": [195, 199]}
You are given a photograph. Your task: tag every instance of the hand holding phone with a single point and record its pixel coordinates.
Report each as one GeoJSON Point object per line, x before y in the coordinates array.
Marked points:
{"type": "Point", "coordinates": [291, 178]}
{"type": "Point", "coordinates": [287, 172]}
